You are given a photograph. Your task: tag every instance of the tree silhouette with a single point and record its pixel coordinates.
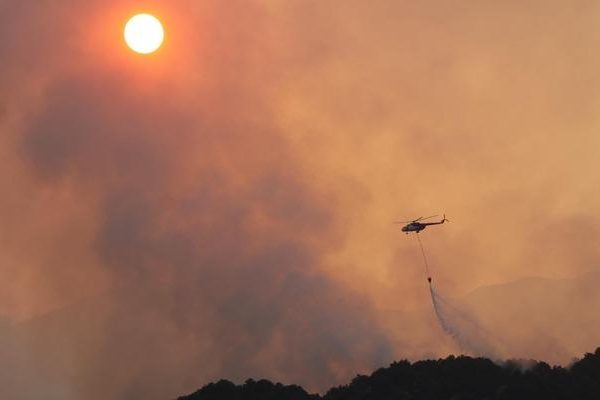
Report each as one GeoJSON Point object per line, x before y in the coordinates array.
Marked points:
{"type": "Point", "coordinates": [452, 378]}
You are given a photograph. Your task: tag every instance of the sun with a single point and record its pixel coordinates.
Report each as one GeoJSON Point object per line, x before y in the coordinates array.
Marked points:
{"type": "Point", "coordinates": [144, 33]}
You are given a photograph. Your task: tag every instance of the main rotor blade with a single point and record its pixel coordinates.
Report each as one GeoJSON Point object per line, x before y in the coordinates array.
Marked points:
{"type": "Point", "coordinates": [431, 216]}
{"type": "Point", "coordinates": [410, 221]}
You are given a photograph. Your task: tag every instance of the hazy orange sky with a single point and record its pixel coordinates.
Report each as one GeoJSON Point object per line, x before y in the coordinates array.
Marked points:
{"type": "Point", "coordinates": [223, 208]}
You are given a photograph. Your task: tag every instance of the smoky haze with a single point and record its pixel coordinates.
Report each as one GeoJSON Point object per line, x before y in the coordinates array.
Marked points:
{"type": "Point", "coordinates": [223, 209]}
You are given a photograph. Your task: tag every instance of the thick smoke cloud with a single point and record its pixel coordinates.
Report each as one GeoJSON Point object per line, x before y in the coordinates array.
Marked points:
{"type": "Point", "coordinates": [206, 235]}
{"type": "Point", "coordinates": [223, 209]}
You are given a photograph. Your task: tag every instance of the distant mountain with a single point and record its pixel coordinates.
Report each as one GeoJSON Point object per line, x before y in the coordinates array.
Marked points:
{"type": "Point", "coordinates": [550, 319]}
{"type": "Point", "coordinates": [534, 318]}
{"type": "Point", "coordinates": [453, 378]}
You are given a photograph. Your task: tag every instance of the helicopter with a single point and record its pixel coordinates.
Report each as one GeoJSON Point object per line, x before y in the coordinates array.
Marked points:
{"type": "Point", "coordinates": [416, 226]}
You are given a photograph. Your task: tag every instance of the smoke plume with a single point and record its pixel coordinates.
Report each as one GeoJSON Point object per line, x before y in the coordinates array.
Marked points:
{"type": "Point", "coordinates": [223, 208]}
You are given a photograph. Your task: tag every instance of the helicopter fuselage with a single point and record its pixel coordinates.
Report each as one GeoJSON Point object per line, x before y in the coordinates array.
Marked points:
{"type": "Point", "coordinates": [414, 227]}
{"type": "Point", "coordinates": [417, 227]}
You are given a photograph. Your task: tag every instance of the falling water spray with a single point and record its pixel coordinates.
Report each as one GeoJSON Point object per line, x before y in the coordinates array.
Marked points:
{"type": "Point", "coordinates": [462, 327]}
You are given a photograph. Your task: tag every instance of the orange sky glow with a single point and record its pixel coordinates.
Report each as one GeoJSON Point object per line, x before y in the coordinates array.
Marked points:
{"type": "Point", "coordinates": [224, 206]}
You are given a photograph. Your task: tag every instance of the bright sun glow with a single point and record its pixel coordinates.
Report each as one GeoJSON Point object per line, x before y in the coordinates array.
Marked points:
{"type": "Point", "coordinates": [144, 33]}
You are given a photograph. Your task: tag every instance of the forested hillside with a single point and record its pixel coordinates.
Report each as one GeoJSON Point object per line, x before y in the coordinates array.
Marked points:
{"type": "Point", "coordinates": [453, 378]}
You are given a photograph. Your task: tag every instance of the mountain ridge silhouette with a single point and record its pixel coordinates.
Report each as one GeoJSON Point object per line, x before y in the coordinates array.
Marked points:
{"type": "Point", "coordinates": [451, 378]}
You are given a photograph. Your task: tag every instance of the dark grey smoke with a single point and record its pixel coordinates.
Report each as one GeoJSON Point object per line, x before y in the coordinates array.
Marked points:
{"type": "Point", "coordinates": [203, 223]}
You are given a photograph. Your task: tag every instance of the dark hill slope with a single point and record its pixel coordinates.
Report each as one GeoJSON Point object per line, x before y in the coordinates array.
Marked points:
{"type": "Point", "coordinates": [453, 378]}
{"type": "Point", "coordinates": [263, 390]}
